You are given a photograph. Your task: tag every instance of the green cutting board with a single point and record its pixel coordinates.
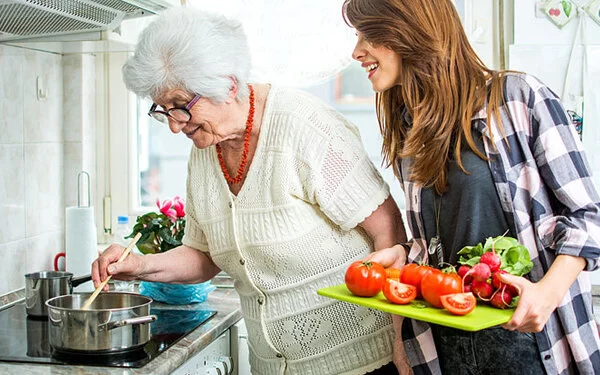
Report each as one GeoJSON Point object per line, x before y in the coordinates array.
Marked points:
{"type": "Point", "coordinates": [482, 317]}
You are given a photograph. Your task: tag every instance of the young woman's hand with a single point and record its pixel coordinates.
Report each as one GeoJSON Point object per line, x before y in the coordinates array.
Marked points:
{"type": "Point", "coordinates": [536, 303]}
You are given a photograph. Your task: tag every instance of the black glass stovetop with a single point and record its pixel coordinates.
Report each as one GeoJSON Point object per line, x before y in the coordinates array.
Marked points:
{"type": "Point", "coordinates": [26, 339]}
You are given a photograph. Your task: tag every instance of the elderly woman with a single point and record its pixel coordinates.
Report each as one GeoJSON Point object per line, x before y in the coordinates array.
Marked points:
{"type": "Point", "coordinates": [280, 195]}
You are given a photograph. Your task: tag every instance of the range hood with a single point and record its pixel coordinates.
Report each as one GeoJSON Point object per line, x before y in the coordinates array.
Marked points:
{"type": "Point", "coordinates": [35, 20]}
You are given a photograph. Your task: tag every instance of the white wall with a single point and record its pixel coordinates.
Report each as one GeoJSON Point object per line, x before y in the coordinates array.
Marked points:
{"type": "Point", "coordinates": [41, 146]}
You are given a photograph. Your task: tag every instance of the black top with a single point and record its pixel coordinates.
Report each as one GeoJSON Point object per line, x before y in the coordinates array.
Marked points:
{"type": "Point", "coordinates": [470, 209]}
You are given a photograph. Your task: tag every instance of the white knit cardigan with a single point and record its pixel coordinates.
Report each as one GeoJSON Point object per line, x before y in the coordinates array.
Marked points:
{"type": "Point", "coordinates": [291, 230]}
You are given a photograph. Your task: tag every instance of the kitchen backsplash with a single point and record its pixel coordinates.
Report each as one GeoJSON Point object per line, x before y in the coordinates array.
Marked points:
{"type": "Point", "coordinates": [46, 137]}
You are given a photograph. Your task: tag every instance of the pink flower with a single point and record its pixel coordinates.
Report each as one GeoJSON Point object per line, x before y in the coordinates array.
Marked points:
{"type": "Point", "coordinates": [178, 205]}
{"type": "Point", "coordinates": [167, 208]}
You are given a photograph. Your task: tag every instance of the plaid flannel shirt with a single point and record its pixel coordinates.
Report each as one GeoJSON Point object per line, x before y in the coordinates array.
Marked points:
{"type": "Point", "coordinates": [546, 191]}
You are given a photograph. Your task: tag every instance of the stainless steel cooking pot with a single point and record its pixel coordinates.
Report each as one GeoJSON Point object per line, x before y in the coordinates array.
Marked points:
{"type": "Point", "coordinates": [41, 286]}
{"type": "Point", "coordinates": [114, 322]}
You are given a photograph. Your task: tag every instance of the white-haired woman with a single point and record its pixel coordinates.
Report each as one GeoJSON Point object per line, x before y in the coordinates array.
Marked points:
{"type": "Point", "coordinates": [280, 194]}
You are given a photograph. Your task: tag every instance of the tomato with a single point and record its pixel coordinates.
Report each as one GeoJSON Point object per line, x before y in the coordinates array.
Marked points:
{"type": "Point", "coordinates": [413, 273]}
{"type": "Point", "coordinates": [365, 278]}
{"type": "Point", "coordinates": [459, 303]}
{"type": "Point", "coordinates": [399, 293]}
{"type": "Point", "coordinates": [437, 283]}
{"type": "Point", "coordinates": [393, 273]}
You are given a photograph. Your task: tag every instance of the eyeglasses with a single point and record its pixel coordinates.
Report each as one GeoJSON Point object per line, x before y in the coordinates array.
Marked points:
{"type": "Point", "coordinates": [181, 114]}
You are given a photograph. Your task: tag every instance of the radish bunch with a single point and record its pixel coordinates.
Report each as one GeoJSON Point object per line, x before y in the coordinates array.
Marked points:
{"type": "Point", "coordinates": [481, 265]}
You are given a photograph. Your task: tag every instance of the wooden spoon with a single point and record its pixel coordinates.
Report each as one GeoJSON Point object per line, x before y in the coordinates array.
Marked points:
{"type": "Point", "coordinates": [89, 301]}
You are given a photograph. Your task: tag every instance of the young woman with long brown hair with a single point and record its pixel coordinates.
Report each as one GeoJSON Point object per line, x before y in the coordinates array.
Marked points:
{"type": "Point", "coordinates": [480, 153]}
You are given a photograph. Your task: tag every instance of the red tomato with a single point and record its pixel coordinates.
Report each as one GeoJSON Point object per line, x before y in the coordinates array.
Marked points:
{"type": "Point", "coordinates": [437, 283]}
{"type": "Point", "coordinates": [365, 278]}
{"type": "Point", "coordinates": [413, 273]}
{"type": "Point", "coordinates": [459, 303]}
{"type": "Point", "coordinates": [399, 293]}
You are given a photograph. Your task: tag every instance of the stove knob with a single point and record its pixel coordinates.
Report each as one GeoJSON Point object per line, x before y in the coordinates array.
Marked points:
{"type": "Point", "coordinates": [227, 363]}
{"type": "Point", "coordinates": [220, 367]}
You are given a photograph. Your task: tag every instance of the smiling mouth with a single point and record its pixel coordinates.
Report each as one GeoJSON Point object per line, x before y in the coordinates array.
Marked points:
{"type": "Point", "coordinates": [371, 69]}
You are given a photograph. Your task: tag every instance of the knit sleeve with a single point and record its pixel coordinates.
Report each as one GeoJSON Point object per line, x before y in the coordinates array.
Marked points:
{"type": "Point", "coordinates": [193, 236]}
{"type": "Point", "coordinates": [349, 187]}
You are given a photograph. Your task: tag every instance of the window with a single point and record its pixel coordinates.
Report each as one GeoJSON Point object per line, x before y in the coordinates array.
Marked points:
{"type": "Point", "coordinates": [162, 159]}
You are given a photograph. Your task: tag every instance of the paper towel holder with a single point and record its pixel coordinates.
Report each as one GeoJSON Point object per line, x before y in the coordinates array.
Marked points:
{"type": "Point", "coordinates": [79, 178]}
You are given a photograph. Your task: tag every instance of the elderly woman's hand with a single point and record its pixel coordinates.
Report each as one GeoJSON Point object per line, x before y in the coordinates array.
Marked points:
{"type": "Point", "coordinates": [394, 256]}
{"type": "Point", "coordinates": [106, 264]}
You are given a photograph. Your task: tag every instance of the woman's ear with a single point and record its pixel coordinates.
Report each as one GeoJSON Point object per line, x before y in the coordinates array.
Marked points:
{"type": "Point", "coordinates": [233, 90]}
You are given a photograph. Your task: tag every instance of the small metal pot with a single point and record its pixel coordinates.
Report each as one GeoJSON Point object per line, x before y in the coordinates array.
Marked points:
{"type": "Point", "coordinates": [114, 322]}
{"type": "Point", "coordinates": [41, 286]}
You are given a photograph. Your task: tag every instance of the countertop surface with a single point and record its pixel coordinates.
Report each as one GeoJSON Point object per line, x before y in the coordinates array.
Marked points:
{"type": "Point", "coordinates": [224, 300]}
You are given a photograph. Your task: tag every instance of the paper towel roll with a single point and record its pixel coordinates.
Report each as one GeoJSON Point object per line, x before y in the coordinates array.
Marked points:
{"type": "Point", "coordinates": [80, 243]}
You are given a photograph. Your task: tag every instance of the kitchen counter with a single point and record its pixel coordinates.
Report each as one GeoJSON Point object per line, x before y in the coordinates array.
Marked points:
{"type": "Point", "coordinates": [224, 300]}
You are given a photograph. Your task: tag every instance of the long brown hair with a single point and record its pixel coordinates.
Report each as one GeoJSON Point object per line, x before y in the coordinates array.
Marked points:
{"type": "Point", "coordinates": [443, 83]}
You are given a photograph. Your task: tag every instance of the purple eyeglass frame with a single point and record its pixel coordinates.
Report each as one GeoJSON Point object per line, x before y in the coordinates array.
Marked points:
{"type": "Point", "coordinates": [166, 113]}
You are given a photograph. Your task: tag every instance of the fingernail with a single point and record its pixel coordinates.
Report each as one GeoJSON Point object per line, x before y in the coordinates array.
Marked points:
{"type": "Point", "coordinates": [111, 269]}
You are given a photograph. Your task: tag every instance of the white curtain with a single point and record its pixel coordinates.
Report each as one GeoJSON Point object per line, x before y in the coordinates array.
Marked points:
{"type": "Point", "coordinates": [292, 42]}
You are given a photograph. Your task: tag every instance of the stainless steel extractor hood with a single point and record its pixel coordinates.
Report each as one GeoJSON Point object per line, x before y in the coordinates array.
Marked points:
{"type": "Point", "coordinates": [27, 20]}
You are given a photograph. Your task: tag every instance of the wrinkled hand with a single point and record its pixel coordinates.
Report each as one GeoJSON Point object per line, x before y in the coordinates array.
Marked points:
{"type": "Point", "coordinates": [400, 359]}
{"type": "Point", "coordinates": [534, 307]}
{"type": "Point", "coordinates": [106, 264]}
{"type": "Point", "coordinates": [394, 256]}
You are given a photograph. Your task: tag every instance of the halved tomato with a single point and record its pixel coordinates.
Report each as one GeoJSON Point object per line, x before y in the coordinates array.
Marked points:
{"type": "Point", "coordinates": [459, 303]}
{"type": "Point", "coordinates": [399, 293]}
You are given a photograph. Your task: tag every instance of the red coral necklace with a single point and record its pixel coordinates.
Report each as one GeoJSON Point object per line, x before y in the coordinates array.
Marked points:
{"type": "Point", "coordinates": [249, 123]}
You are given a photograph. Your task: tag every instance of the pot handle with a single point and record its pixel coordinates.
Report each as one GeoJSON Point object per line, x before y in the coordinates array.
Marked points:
{"type": "Point", "coordinates": [120, 323]}
{"type": "Point", "coordinates": [80, 280]}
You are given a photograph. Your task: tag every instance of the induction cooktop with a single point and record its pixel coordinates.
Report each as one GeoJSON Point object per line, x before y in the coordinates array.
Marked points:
{"type": "Point", "coordinates": [26, 339]}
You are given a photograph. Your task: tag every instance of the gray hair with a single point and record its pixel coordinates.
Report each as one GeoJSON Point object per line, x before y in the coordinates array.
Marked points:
{"type": "Point", "coordinates": [192, 50]}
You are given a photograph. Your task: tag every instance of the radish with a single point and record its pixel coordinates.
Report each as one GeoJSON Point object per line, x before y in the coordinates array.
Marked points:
{"type": "Point", "coordinates": [492, 259]}
{"type": "Point", "coordinates": [482, 289]}
{"type": "Point", "coordinates": [480, 272]}
{"type": "Point", "coordinates": [501, 299]}
{"type": "Point", "coordinates": [497, 284]}
{"type": "Point", "coordinates": [467, 288]}
{"type": "Point", "coordinates": [462, 271]}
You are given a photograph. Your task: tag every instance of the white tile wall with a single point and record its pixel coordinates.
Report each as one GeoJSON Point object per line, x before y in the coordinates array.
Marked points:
{"type": "Point", "coordinates": [42, 140]}
{"type": "Point", "coordinates": [11, 95]}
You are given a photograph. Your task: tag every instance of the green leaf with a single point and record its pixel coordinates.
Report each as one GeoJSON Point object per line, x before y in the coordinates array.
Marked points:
{"type": "Point", "coordinates": [567, 6]}
{"type": "Point", "coordinates": [499, 243]}
{"type": "Point", "coordinates": [469, 261]}
{"type": "Point", "coordinates": [516, 260]}
{"type": "Point", "coordinates": [471, 251]}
